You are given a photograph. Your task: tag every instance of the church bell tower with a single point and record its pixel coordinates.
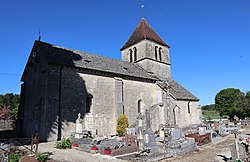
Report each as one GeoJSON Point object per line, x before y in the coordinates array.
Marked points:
{"type": "Point", "coordinates": [147, 49]}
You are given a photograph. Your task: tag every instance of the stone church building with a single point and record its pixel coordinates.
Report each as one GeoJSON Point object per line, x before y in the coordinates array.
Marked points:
{"type": "Point", "coordinates": [58, 83]}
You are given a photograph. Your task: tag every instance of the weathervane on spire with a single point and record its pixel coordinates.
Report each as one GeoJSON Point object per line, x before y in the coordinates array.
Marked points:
{"type": "Point", "coordinates": [142, 10]}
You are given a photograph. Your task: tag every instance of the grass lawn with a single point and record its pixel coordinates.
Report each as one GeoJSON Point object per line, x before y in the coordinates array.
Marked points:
{"type": "Point", "coordinates": [212, 114]}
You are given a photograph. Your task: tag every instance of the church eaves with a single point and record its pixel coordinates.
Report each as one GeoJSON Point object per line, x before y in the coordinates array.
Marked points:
{"type": "Point", "coordinates": [177, 91]}
{"type": "Point", "coordinates": [74, 58]}
{"type": "Point", "coordinates": [141, 32]}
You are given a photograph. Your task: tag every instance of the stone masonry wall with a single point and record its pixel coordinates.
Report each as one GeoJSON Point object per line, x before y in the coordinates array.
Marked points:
{"type": "Point", "coordinates": [100, 119]}
{"type": "Point", "coordinates": [146, 51]}
{"type": "Point", "coordinates": [74, 96]}
{"type": "Point", "coordinates": [135, 91]}
{"type": "Point", "coordinates": [161, 70]}
{"type": "Point", "coordinates": [184, 118]}
{"type": "Point", "coordinates": [108, 93]}
{"type": "Point", "coordinates": [7, 125]}
{"type": "Point", "coordinates": [34, 92]}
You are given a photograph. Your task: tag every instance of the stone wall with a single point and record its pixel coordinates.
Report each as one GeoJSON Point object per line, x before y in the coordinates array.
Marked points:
{"type": "Point", "coordinates": [111, 98]}
{"type": "Point", "coordinates": [135, 91]}
{"type": "Point", "coordinates": [7, 125]}
{"type": "Point", "coordinates": [32, 95]}
{"type": "Point", "coordinates": [147, 59]}
{"type": "Point", "coordinates": [101, 117]}
{"type": "Point", "coordinates": [187, 117]}
{"type": "Point", "coordinates": [7, 129]}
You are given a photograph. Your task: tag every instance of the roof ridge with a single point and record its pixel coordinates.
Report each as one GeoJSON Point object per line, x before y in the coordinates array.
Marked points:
{"type": "Point", "coordinates": [143, 31]}
{"type": "Point", "coordinates": [75, 58]}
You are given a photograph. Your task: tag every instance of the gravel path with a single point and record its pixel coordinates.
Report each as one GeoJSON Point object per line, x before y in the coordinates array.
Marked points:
{"type": "Point", "coordinates": [218, 151]}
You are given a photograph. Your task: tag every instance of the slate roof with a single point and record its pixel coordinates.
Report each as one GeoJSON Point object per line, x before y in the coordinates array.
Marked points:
{"type": "Point", "coordinates": [68, 57]}
{"type": "Point", "coordinates": [65, 56]}
{"type": "Point", "coordinates": [141, 32]}
{"type": "Point", "coordinates": [177, 91]}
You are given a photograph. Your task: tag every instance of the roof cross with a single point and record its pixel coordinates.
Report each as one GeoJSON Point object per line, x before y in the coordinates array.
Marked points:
{"type": "Point", "coordinates": [142, 10]}
{"type": "Point", "coordinates": [39, 36]}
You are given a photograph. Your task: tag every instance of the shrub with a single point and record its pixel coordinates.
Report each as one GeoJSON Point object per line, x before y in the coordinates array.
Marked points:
{"type": "Point", "coordinates": [122, 123]}
{"type": "Point", "coordinates": [14, 157]}
{"type": "Point", "coordinates": [5, 113]}
{"type": "Point", "coordinates": [64, 144]}
{"type": "Point", "coordinates": [42, 157]}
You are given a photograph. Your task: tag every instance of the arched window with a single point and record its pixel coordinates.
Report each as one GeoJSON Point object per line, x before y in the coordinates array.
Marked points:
{"type": "Point", "coordinates": [139, 106]}
{"type": "Point", "coordinates": [156, 52]}
{"type": "Point", "coordinates": [135, 54]}
{"type": "Point", "coordinates": [160, 49]}
{"type": "Point", "coordinates": [130, 55]}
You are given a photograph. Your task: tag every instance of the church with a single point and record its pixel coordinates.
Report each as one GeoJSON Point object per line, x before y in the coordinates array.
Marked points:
{"type": "Point", "coordinates": [58, 83]}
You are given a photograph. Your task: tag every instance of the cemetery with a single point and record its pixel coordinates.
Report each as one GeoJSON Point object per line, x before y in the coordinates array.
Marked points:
{"type": "Point", "coordinates": [140, 143]}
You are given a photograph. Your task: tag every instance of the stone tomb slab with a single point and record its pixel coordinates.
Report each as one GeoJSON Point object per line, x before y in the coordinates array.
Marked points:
{"type": "Point", "coordinates": [124, 150]}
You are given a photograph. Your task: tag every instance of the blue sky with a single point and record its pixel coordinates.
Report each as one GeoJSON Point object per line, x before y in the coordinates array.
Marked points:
{"type": "Point", "coordinates": [209, 39]}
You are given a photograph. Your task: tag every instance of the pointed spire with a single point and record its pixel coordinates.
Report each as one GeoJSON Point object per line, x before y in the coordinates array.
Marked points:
{"type": "Point", "coordinates": [141, 32]}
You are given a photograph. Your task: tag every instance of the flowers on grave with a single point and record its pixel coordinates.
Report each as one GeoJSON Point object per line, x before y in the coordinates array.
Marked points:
{"type": "Point", "coordinates": [107, 151]}
{"type": "Point", "coordinates": [94, 148]}
{"type": "Point", "coordinates": [75, 145]}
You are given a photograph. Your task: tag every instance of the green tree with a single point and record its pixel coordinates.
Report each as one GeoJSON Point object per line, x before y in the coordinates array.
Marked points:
{"type": "Point", "coordinates": [210, 107]}
{"type": "Point", "coordinates": [230, 102]}
{"type": "Point", "coordinates": [5, 113]}
{"type": "Point", "coordinates": [248, 103]}
{"type": "Point", "coordinates": [122, 123]}
{"type": "Point", "coordinates": [1, 102]}
{"type": "Point", "coordinates": [12, 102]}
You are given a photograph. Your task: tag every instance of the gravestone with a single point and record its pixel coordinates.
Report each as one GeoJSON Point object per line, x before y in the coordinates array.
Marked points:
{"type": "Point", "coordinates": [78, 133]}
{"type": "Point", "coordinates": [147, 113]}
{"type": "Point", "coordinates": [130, 131]}
{"type": "Point", "coordinates": [238, 151]}
{"type": "Point", "coordinates": [131, 140]}
{"type": "Point", "coordinates": [139, 134]}
{"type": "Point", "coordinates": [161, 135]}
{"type": "Point", "coordinates": [236, 118]}
{"type": "Point", "coordinates": [202, 130]}
{"type": "Point", "coordinates": [171, 133]}
{"type": "Point", "coordinates": [149, 141]}
{"type": "Point", "coordinates": [176, 134]}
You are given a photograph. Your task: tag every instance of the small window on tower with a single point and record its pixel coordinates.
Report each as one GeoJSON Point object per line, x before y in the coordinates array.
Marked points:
{"type": "Point", "coordinates": [156, 52]}
{"type": "Point", "coordinates": [160, 50]}
{"type": "Point", "coordinates": [130, 55]}
{"type": "Point", "coordinates": [135, 53]}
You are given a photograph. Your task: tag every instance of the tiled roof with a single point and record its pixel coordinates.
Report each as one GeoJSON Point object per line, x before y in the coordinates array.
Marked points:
{"type": "Point", "coordinates": [64, 56]}
{"type": "Point", "coordinates": [141, 32]}
{"type": "Point", "coordinates": [177, 91]}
